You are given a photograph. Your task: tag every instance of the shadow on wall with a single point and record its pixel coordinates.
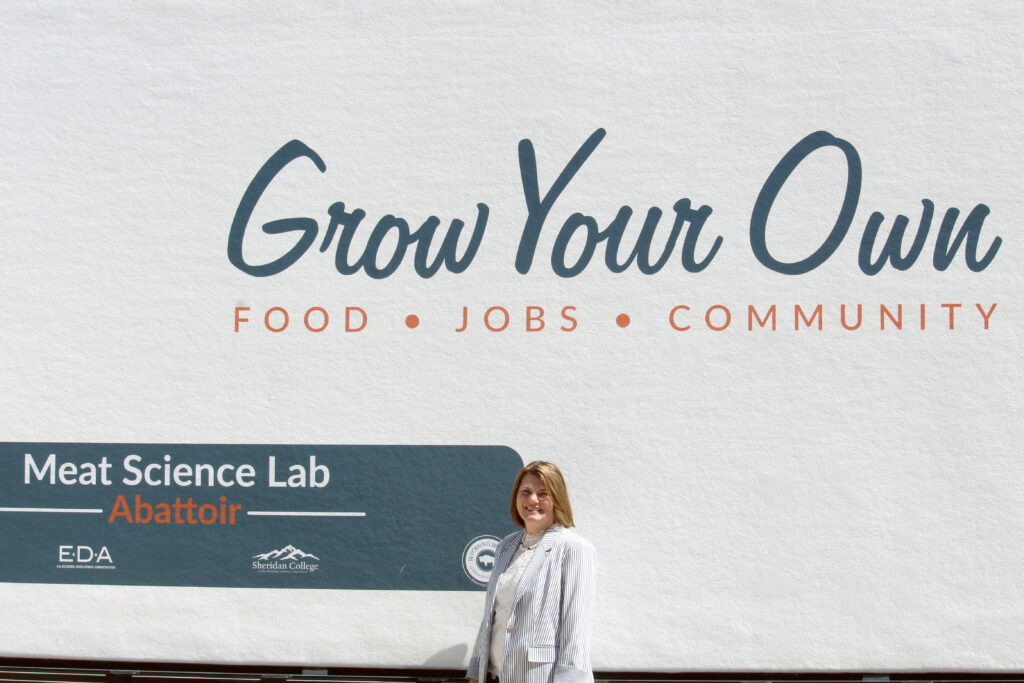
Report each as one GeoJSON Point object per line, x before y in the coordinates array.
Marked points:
{"type": "Point", "coordinates": [448, 658]}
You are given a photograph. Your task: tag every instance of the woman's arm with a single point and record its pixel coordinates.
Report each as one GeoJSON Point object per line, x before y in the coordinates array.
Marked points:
{"type": "Point", "coordinates": [579, 593]}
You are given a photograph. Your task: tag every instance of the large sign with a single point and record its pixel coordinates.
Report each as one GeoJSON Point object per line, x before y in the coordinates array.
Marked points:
{"type": "Point", "coordinates": [291, 290]}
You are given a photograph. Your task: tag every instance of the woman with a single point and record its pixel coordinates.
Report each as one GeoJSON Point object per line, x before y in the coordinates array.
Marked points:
{"type": "Point", "coordinates": [540, 600]}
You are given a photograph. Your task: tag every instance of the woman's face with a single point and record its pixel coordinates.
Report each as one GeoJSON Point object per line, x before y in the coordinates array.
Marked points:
{"type": "Point", "coordinates": [534, 504]}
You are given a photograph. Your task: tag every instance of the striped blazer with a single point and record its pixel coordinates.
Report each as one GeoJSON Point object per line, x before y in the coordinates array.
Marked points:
{"type": "Point", "coordinates": [552, 614]}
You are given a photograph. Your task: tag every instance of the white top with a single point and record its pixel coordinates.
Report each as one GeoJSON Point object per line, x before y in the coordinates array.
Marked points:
{"type": "Point", "coordinates": [505, 596]}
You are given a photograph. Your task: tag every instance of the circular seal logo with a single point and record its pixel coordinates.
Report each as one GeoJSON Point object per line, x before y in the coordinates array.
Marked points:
{"type": "Point", "coordinates": [478, 558]}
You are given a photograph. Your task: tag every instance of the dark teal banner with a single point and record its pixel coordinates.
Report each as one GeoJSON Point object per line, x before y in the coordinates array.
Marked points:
{"type": "Point", "coordinates": [262, 516]}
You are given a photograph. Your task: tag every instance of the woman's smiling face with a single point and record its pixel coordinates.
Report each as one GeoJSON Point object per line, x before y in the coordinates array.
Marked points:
{"type": "Point", "coordinates": [534, 504]}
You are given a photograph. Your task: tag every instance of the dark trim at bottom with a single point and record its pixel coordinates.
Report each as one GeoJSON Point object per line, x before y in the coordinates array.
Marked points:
{"type": "Point", "coordinates": [68, 671]}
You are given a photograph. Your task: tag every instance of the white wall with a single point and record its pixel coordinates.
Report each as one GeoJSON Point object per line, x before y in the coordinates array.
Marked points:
{"type": "Point", "coordinates": [760, 500]}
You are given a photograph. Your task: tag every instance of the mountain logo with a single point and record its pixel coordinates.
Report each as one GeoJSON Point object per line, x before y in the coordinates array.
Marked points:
{"type": "Point", "coordinates": [289, 552]}
{"type": "Point", "coordinates": [286, 560]}
{"type": "Point", "coordinates": [478, 558]}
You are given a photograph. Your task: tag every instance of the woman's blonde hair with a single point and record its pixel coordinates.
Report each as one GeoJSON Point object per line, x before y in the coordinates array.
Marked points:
{"type": "Point", "coordinates": [554, 483]}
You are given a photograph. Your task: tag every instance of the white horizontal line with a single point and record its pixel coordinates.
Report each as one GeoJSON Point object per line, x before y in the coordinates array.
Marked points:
{"type": "Point", "coordinates": [73, 511]}
{"type": "Point", "coordinates": [277, 513]}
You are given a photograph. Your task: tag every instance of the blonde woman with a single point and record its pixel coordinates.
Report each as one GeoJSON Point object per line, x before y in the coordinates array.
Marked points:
{"type": "Point", "coordinates": [539, 606]}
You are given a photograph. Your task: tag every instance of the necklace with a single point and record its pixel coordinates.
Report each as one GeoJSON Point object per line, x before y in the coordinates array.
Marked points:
{"type": "Point", "coordinates": [530, 541]}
